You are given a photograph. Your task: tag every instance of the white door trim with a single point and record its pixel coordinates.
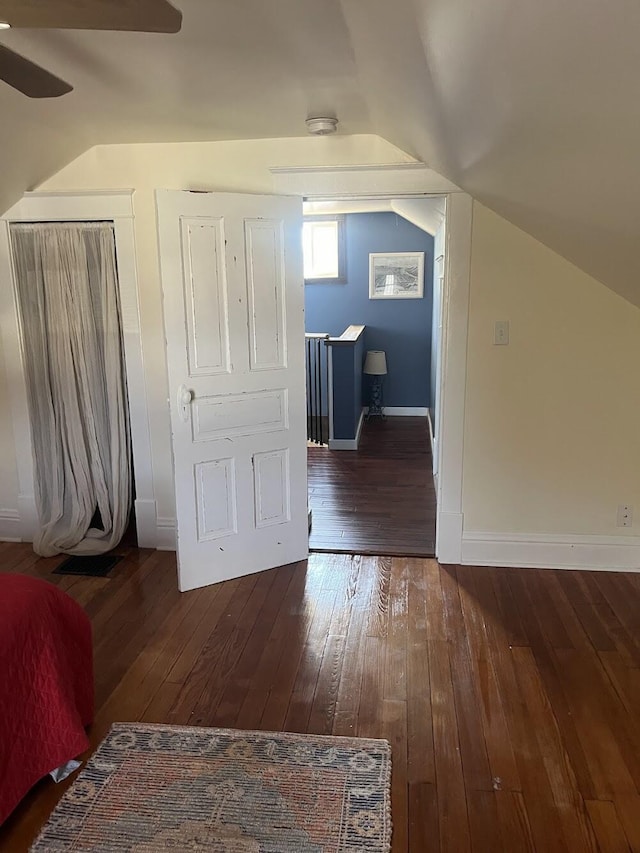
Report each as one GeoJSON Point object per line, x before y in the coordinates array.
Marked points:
{"type": "Point", "coordinates": [386, 179]}
{"type": "Point", "coordinates": [417, 179]}
{"type": "Point", "coordinates": [67, 207]}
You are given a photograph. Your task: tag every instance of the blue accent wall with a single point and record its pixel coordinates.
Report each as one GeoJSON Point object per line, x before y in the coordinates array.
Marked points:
{"type": "Point", "coordinates": [400, 327]}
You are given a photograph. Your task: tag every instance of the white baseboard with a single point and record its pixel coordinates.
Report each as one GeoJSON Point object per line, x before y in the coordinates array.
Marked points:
{"type": "Point", "coordinates": [431, 439]}
{"type": "Point", "coordinates": [159, 534]}
{"type": "Point", "coordinates": [349, 443]}
{"type": "Point", "coordinates": [551, 551]}
{"type": "Point", "coordinates": [343, 444]}
{"type": "Point", "coordinates": [166, 538]}
{"type": "Point", "coordinates": [449, 537]}
{"type": "Point", "coordinates": [434, 452]}
{"type": "Point", "coordinates": [359, 427]}
{"type": "Point", "coordinates": [10, 526]}
{"type": "Point", "coordinates": [406, 411]}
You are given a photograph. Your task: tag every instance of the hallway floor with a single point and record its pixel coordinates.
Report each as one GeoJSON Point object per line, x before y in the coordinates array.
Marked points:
{"type": "Point", "coordinates": [378, 499]}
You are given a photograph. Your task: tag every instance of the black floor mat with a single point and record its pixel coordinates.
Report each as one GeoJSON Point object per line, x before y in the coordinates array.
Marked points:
{"type": "Point", "coordinates": [93, 567]}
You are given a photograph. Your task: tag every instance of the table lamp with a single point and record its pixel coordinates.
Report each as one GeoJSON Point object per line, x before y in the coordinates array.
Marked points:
{"type": "Point", "coordinates": [375, 365]}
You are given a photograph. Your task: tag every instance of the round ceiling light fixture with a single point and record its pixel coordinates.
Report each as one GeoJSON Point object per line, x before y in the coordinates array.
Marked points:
{"type": "Point", "coordinates": [322, 125]}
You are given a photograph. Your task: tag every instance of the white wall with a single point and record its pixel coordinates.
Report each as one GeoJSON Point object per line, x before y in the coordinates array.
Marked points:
{"type": "Point", "coordinates": [8, 470]}
{"type": "Point", "coordinates": [552, 422]}
{"type": "Point", "coordinates": [225, 166]}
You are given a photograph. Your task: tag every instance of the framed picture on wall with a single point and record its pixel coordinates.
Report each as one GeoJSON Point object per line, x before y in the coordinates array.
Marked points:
{"type": "Point", "coordinates": [396, 275]}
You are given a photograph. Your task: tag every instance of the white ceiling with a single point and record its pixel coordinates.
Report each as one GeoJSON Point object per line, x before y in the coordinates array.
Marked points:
{"type": "Point", "coordinates": [426, 213]}
{"type": "Point", "coordinates": [530, 107]}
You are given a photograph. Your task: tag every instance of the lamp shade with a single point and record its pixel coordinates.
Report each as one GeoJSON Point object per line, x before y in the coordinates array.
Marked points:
{"type": "Point", "coordinates": [376, 362]}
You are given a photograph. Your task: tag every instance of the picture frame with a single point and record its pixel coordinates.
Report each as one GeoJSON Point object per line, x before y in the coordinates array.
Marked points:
{"type": "Point", "coordinates": [396, 275]}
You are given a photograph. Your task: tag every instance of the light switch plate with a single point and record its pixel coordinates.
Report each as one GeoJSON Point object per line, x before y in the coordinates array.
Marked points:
{"type": "Point", "coordinates": [501, 333]}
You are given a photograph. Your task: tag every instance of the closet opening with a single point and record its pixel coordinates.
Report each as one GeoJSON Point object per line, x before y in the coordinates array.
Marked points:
{"type": "Point", "coordinates": [72, 342]}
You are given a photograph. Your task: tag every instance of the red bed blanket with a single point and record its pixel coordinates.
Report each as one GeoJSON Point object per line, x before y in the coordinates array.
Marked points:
{"type": "Point", "coordinates": [46, 683]}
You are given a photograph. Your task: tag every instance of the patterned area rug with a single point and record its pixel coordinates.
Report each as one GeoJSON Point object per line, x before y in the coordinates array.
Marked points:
{"type": "Point", "coordinates": [150, 788]}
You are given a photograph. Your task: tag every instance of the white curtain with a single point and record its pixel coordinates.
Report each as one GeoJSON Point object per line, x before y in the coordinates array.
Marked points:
{"type": "Point", "coordinates": [68, 298]}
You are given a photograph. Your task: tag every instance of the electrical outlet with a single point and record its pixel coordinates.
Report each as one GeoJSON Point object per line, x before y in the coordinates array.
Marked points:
{"type": "Point", "coordinates": [625, 515]}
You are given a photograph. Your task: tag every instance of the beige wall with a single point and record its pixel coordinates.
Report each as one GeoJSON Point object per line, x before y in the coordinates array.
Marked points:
{"type": "Point", "coordinates": [552, 423]}
{"type": "Point", "coordinates": [232, 166]}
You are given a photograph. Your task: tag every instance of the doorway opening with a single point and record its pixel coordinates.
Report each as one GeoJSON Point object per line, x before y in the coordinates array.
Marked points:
{"type": "Point", "coordinates": [373, 315]}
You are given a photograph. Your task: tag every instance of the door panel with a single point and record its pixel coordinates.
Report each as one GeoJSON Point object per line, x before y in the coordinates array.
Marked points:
{"type": "Point", "coordinates": [271, 487]}
{"type": "Point", "coordinates": [234, 320]}
{"type": "Point", "coordinates": [234, 414]}
{"type": "Point", "coordinates": [206, 296]}
{"type": "Point", "coordinates": [266, 282]}
{"type": "Point", "coordinates": [216, 498]}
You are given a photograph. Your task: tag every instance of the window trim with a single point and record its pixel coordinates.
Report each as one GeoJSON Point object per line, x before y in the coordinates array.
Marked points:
{"type": "Point", "coordinates": [341, 219]}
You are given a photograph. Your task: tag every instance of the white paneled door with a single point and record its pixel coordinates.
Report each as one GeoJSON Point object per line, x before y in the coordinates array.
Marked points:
{"type": "Point", "coordinates": [234, 318]}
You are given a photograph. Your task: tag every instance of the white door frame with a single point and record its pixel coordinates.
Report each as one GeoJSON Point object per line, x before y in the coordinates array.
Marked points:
{"type": "Point", "coordinates": [439, 274]}
{"type": "Point", "coordinates": [395, 181]}
{"type": "Point", "coordinates": [116, 207]}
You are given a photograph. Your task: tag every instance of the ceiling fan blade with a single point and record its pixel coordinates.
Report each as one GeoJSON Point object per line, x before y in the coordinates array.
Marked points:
{"type": "Point", "coordinates": [29, 78]}
{"type": "Point", "coordinates": [146, 16]}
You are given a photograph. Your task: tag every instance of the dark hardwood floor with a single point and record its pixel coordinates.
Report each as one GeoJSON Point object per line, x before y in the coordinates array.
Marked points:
{"type": "Point", "coordinates": [511, 697]}
{"type": "Point", "coordinates": [378, 499]}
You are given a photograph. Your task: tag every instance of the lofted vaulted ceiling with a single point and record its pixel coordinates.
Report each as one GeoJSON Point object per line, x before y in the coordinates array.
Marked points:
{"type": "Point", "coordinates": [426, 213]}
{"type": "Point", "coordinates": [533, 108]}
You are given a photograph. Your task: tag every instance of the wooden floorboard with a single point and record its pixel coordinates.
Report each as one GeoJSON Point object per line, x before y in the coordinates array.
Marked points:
{"type": "Point", "coordinates": [511, 697]}
{"type": "Point", "coordinates": [378, 499]}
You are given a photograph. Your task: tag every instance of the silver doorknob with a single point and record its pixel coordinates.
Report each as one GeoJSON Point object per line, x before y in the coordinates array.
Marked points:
{"type": "Point", "coordinates": [185, 396]}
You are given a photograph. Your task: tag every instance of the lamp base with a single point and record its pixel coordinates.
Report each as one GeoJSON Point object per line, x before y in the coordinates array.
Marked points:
{"type": "Point", "coordinates": [376, 408]}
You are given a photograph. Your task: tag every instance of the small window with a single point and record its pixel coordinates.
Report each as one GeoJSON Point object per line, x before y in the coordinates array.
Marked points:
{"type": "Point", "coordinates": [323, 249]}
